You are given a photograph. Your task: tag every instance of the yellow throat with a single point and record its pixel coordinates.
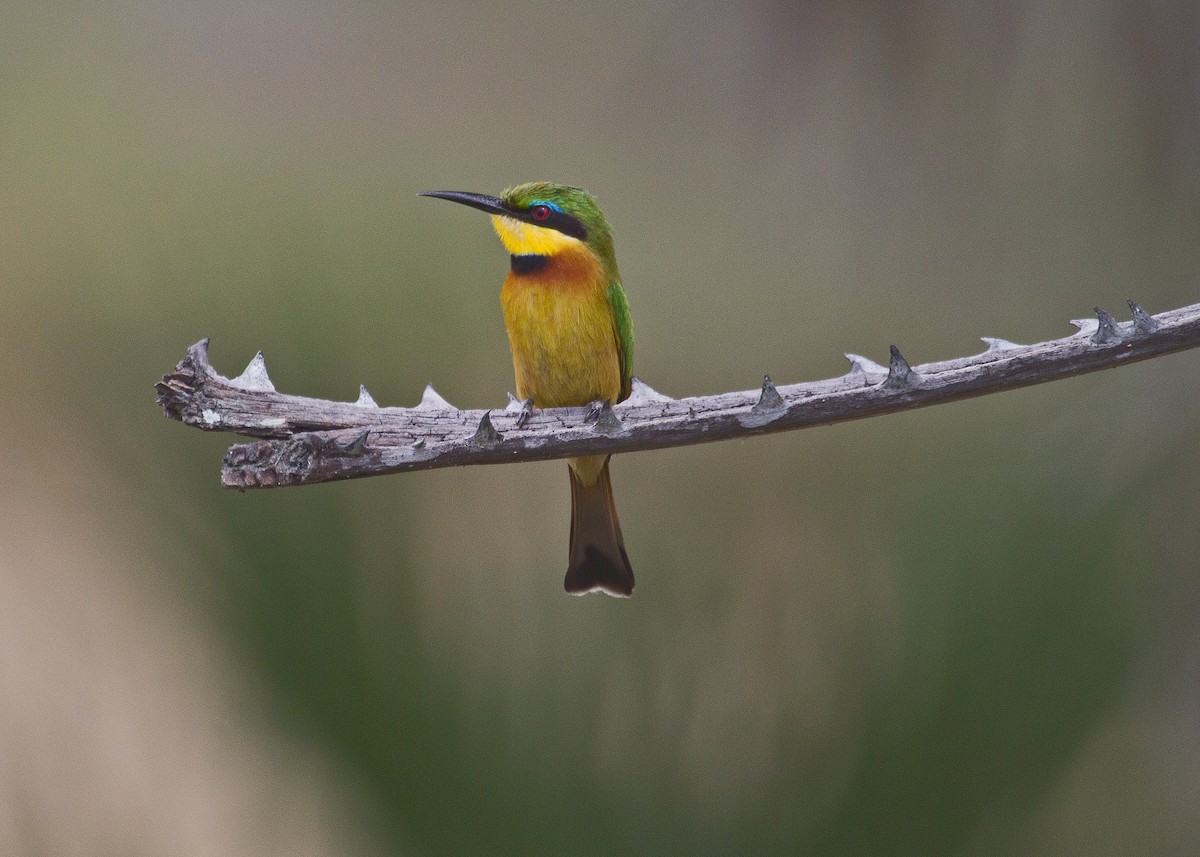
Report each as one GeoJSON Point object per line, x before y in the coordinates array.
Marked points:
{"type": "Point", "coordinates": [525, 239]}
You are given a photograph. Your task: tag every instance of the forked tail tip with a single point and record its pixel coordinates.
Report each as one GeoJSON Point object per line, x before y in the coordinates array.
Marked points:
{"type": "Point", "coordinates": [597, 572]}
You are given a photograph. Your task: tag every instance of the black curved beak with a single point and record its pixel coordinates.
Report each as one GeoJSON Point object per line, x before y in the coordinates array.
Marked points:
{"type": "Point", "coordinates": [490, 204]}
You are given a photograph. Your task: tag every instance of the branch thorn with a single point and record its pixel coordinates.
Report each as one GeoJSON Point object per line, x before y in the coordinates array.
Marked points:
{"type": "Point", "coordinates": [198, 354]}
{"type": "Point", "coordinates": [900, 375]}
{"type": "Point", "coordinates": [431, 400]}
{"type": "Point", "coordinates": [364, 398]}
{"type": "Point", "coordinates": [254, 376]}
{"type": "Point", "coordinates": [1106, 330]}
{"type": "Point", "coordinates": [994, 344]}
{"type": "Point", "coordinates": [860, 365]}
{"type": "Point", "coordinates": [486, 434]}
{"type": "Point", "coordinates": [1143, 322]}
{"type": "Point", "coordinates": [641, 393]}
{"type": "Point", "coordinates": [769, 399]}
{"type": "Point", "coordinates": [355, 447]}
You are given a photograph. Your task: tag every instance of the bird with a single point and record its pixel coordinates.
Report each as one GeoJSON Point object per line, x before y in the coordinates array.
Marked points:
{"type": "Point", "coordinates": [571, 337]}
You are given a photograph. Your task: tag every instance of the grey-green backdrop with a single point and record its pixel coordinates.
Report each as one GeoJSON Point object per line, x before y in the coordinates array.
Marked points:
{"type": "Point", "coordinates": [966, 630]}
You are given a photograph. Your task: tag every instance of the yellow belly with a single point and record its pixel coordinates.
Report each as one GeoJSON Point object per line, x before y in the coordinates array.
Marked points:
{"type": "Point", "coordinates": [563, 336]}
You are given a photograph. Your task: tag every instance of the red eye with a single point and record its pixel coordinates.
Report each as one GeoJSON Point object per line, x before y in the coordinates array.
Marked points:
{"type": "Point", "coordinates": [540, 212]}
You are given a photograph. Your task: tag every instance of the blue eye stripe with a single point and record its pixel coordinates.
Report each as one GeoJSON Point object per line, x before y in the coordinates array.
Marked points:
{"type": "Point", "coordinates": [550, 205]}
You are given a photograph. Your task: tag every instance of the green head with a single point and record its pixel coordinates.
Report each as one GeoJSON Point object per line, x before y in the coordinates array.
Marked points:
{"type": "Point", "coordinates": [542, 219]}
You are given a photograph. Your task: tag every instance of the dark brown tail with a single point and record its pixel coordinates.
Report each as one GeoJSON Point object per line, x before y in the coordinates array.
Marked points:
{"type": "Point", "coordinates": [598, 561]}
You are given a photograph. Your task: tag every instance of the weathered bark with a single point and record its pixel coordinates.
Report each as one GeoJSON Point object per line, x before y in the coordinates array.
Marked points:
{"type": "Point", "coordinates": [311, 440]}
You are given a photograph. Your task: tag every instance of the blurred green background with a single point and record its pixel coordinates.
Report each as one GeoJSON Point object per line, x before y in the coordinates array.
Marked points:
{"type": "Point", "coordinates": [966, 630]}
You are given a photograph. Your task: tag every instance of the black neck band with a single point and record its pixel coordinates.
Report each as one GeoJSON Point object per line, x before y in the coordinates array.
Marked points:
{"type": "Point", "coordinates": [528, 263]}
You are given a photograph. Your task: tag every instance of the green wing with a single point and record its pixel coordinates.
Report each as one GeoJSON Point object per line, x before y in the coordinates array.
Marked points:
{"type": "Point", "coordinates": [623, 323]}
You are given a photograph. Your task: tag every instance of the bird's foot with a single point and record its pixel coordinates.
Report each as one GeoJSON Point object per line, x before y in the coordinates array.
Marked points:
{"type": "Point", "coordinates": [596, 408]}
{"type": "Point", "coordinates": [525, 413]}
{"type": "Point", "coordinates": [603, 418]}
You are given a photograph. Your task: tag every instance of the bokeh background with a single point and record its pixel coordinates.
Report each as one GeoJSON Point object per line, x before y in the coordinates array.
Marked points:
{"type": "Point", "coordinates": [966, 630]}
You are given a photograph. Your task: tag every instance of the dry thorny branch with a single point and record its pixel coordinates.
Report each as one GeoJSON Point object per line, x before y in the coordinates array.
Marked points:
{"type": "Point", "coordinates": [311, 440]}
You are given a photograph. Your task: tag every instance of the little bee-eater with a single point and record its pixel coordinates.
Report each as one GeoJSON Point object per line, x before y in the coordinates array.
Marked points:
{"type": "Point", "coordinates": [572, 344]}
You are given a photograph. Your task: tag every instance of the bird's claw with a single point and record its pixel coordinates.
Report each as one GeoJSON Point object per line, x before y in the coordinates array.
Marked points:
{"type": "Point", "coordinates": [595, 408]}
{"type": "Point", "coordinates": [602, 417]}
{"type": "Point", "coordinates": [525, 413]}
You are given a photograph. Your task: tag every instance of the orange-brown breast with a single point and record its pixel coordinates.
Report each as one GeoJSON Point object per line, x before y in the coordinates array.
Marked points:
{"type": "Point", "coordinates": [562, 331]}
